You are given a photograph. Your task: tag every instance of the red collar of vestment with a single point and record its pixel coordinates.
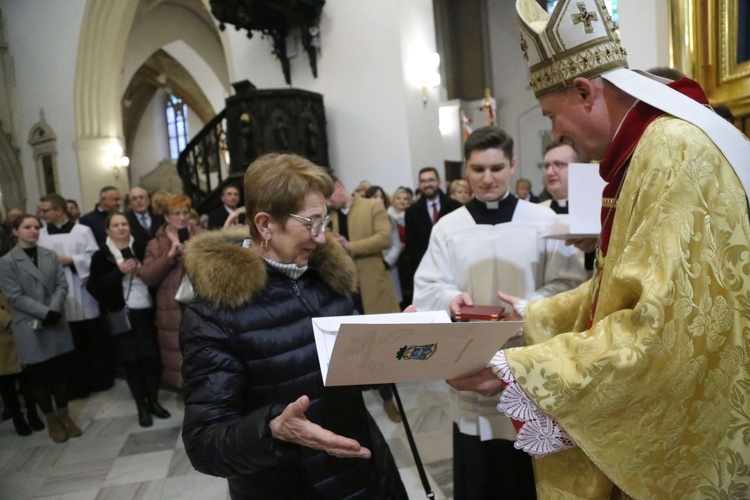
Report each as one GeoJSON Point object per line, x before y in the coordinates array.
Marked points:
{"type": "Point", "coordinates": [613, 166]}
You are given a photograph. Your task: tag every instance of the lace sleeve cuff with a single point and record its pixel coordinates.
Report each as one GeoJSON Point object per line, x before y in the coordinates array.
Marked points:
{"type": "Point", "coordinates": [538, 434]}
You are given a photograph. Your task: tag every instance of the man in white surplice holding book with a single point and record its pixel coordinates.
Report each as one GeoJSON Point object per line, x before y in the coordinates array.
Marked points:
{"type": "Point", "coordinates": [492, 243]}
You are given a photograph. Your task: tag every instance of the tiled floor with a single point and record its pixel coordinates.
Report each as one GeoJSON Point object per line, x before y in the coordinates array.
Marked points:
{"type": "Point", "coordinates": [117, 459]}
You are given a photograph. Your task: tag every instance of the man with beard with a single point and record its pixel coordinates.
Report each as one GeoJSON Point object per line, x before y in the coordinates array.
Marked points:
{"type": "Point", "coordinates": [73, 211]}
{"type": "Point", "coordinates": [422, 215]}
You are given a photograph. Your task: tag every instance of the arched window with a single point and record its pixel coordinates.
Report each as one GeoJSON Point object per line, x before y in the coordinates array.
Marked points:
{"type": "Point", "coordinates": [177, 126]}
{"type": "Point", "coordinates": [611, 7]}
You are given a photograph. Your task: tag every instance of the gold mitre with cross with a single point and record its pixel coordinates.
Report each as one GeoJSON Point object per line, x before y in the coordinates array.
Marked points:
{"type": "Point", "coordinates": [578, 39]}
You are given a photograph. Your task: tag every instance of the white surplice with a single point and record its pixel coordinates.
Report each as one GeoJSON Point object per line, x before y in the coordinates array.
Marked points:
{"type": "Point", "coordinates": [80, 244]}
{"type": "Point", "coordinates": [482, 259]}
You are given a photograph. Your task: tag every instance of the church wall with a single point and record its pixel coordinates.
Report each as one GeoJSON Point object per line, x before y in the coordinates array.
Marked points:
{"type": "Point", "coordinates": [199, 50]}
{"type": "Point", "coordinates": [209, 82]}
{"type": "Point", "coordinates": [362, 80]}
{"type": "Point", "coordinates": [644, 30]}
{"type": "Point", "coordinates": [150, 145]}
{"type": "Point", "coordinates": [517, 109]}
{"type": "Point", "coordinates": [378, 128]}
{"type": "Point", "coordinates": [44, 52]}
{"type": "Point", "coordinates": [417, 44]}
{"type": "Point", "coordinates": [644, 33]}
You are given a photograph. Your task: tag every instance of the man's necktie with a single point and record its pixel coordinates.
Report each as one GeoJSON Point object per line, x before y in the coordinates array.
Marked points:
{"type": "Point", "coordinates": [144, 222]}
{"type": "Point", "coordinates": [435, 212]}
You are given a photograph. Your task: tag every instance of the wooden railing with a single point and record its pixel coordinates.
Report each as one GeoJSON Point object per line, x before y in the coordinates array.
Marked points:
{"type": "Point", "coordinates": [204, 164]}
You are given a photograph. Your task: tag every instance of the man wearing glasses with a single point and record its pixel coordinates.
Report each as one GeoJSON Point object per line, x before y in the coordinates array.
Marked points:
{"type": "Point", "coordinates": [555, 167]}
{"type": "Point", "coordinates": [74, 245]}
{"type": "Point", "coordinates": [142, 220]}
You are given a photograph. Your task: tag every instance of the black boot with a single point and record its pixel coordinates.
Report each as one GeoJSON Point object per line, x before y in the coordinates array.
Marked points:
{"type": "Point", "coordinates": [153, 398]}
{"type": "Point", "coordinates": [34, 421]}
{"type": "Point", "coordinates": [156, 409]}
{"type": "Point", "coordinates": [22, 428]}
{"type": "Point", "coordinates": [144, 417]}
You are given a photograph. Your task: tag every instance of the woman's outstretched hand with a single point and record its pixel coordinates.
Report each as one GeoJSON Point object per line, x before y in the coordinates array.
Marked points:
{"type": "Point", "coordinates": [293, 427]}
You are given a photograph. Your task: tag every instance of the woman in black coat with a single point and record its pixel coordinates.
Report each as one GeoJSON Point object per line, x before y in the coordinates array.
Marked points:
{"type": "Point", "coordinates": [256, 410]}
{"type": "Point", "coordinates": [114, 281]}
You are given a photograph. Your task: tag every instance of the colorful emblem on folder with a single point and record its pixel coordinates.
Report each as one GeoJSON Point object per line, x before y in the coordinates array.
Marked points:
{"type": "Point", "coordinates": [421, 352]}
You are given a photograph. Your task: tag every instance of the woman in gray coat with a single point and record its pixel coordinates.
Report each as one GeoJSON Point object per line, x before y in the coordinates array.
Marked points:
{"type": "Point", "coordinates": [32, 280]}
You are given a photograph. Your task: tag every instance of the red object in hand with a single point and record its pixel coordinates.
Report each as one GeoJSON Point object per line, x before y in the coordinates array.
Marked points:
{"type": "Point", "coordinates": [484, 313]}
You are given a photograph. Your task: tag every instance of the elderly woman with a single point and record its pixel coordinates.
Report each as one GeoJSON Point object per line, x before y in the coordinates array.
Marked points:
{"type": "Point", "coordinates": [114, 281]}
{"type": "Point", "coordinates": [256, 410]}
{"type": "Point", "coordinates": [33, 282]}
{"type": "Point", "coordinates": [163, 269]}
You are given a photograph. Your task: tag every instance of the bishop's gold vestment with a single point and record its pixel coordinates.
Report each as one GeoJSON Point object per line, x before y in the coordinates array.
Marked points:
{"type": "Point", "coordinates": [656, 392]}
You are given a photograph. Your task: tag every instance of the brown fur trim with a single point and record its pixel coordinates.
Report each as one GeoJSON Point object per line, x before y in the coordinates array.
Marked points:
{"type": "Point", "coordinates": [228, 275]}
{"type": "Point", "coordinates": [335, 265]}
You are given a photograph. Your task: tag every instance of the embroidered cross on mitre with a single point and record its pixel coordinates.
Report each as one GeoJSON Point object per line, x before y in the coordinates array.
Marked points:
{"type": "Point", "coordinates": [584, 17]}
{"type": "Point", "coordinates": [524, 48]}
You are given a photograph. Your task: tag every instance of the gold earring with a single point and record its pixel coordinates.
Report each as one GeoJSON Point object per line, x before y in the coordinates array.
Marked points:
{"type": "Point", "coordinates": [264, 244]}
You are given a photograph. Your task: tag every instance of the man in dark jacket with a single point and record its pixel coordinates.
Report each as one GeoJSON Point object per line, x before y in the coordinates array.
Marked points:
{"type": "Point", "coordinates": [109, 202]}
{"type": "Point", "coordinates": [420, 217]}
{"type": "Point", "coordinates": [230, 200]}
{"type": "Point", "coordinates": [142, 220]}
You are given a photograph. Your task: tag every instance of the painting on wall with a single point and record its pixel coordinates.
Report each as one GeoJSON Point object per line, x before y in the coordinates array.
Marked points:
{"type": "Point", "coordinates": [709, 42]}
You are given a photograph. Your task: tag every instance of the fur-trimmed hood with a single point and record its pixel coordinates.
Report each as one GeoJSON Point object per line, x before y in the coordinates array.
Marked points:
{"type": "Point", "coordinates": [226, 274]}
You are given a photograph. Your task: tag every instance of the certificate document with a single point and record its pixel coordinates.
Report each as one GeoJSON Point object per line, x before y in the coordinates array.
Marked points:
{"type": "Point", "coordinates": [404, 347]}
{"type": "Point", "coordinates": [584, 203]}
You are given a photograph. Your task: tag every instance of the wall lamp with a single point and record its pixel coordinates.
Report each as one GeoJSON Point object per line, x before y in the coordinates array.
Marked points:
{"type": "Point", "coordinates": [430, 75]}
{"type": "Point", "coordinates": [116, 160]}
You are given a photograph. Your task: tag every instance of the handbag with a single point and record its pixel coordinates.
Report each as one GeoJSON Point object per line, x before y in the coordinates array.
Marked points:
{"type": "Point", "coordinates": [185, 293]}
{"type": "Point", "coordinates": [119, 321]}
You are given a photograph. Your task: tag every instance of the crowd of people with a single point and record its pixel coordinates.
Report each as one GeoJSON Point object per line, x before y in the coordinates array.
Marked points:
{"type": "Point", "coordinates": [627, 379]}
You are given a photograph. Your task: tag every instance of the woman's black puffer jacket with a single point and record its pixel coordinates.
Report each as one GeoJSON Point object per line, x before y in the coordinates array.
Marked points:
{"type": "Point", "coordinates": [249, 351]}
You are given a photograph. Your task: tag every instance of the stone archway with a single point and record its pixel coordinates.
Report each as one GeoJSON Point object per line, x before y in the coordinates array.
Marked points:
{"type": "Point", "coordinates": [98, 90]}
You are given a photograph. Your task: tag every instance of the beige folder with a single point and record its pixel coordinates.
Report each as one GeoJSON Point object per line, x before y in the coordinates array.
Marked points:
{"type": "Point", "coordinates": [405, 347]}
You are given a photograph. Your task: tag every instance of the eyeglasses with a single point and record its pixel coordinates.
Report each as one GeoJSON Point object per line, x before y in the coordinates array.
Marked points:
{"type": "Point", "coordinates": [179, 213]}
{"type": "Point", "coordinates": [315, 225]}
{"type": "Point", "coordinates": [558, 165]}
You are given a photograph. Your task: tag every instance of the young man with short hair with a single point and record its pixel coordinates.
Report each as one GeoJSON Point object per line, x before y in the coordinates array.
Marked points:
{"type": "Point", "coordinates": [492, 243]}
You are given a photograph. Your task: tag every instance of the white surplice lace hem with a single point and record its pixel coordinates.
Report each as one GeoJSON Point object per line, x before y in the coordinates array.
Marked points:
{"type": "Point", "coordinates": [539, 435]}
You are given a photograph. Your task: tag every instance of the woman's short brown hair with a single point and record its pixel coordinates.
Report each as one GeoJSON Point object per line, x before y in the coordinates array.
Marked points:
{"type": "Point", "coordinates": [278, 183]}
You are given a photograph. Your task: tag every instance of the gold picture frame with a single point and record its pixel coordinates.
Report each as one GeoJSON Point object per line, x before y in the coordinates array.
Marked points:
{"type": "Point", "coordinates": [703, 44]}
{"type": "Point", "coordinates": [729, 67]}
